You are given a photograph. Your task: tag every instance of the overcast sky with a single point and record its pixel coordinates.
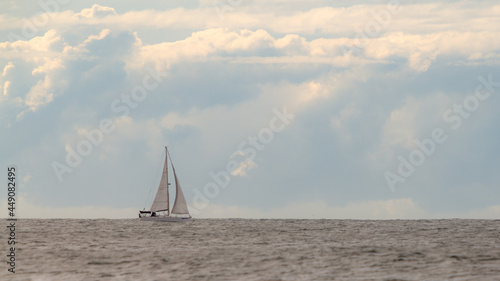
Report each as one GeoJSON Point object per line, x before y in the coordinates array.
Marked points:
{"type": "Point", "coordinates": [270, 109]}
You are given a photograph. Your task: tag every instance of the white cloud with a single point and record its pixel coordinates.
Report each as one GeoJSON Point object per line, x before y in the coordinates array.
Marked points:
{"type": "Point", "coordinates": [6, 87]}
{"type": "Point", "coordinates": [49, 65]}
{"type": "Point", "coordinates": [243, 167]}
{"type": "Point", "coordinates": [38, 53]}
{"type": "Point", "coordinates": [422, 50]}
{"type": "Point", "coordinates": [43, 43]}
{"type": "Point", "coordinates": [241, 47]}
{"type": "Point", "coordinates": [409, 18]}
{"type": "Point", "coordinates": [227, 76]}
{"type": "Point", "coordinates": [400, 128]}
{"type": "Point", "coordinates": [32, 49]}
{"type": "Point", "coordinates": [40, 94]}
{"type": "Point", "coordinates": [96, 11]}
{"type": "Point", "coordinates": [171, 120]}
{"type": "Point", "coordinates": [8, 67]}
{"type": "Point", "coordinates": [28, 209]}
{"type": "Point", "coordinates": [343, 120]}
{"type": "Point", "coordinates": [403, 208]}
{"type": "Point", "coordinates": [207, 43]}
{"type": "Point", "coordinates": [416, 118]}
{"type": "Point", "coordinates": [491, 212]}
{"type": "Point", "coordinates": [103, 34]}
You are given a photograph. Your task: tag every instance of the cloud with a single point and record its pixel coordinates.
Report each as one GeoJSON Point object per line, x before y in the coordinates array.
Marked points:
{"type": "Point", "coordinates": [26, 48]}
{"type": "Point", "coordinates": [40, 94]}
{"type": "Point", "coordinates": [207, 43]}
{"type": "Point", "coordinates": [6, 87]}
{"type": "Point", "coordinates": [390, 209]}
{"type": "Point", "coordinates": [358, 103]}
{"type": "Point", "coordinates": [50, 64]}
{"type": "Point", "coordinates": [422, 50]}
{"type": "Point", "coordinates": [403, 208]}
{"type": "Point", "coordinates": [401, 127]}
{"type": "Point", "coordinates": [9, 66]}
{"type": "Point", "coordinates": [96, 11]}
{"type": "Point", "coordinates": [247, 46]}
{"type": "Point", "coordinates": [29, 209]}
{"type": "Point", "coordinates": [243, 167]}
{"type": "Point", "coordinates": [311, 19]}
{"type": "Point", "coordinates": [55, 66]}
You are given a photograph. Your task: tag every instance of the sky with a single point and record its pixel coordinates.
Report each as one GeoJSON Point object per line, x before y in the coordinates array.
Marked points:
{"type": "Point", "coordinates": [270, 109]}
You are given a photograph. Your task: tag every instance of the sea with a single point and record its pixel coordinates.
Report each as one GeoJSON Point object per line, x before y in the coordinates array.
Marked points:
{"type": "Point", "coordinates": [254, 249]}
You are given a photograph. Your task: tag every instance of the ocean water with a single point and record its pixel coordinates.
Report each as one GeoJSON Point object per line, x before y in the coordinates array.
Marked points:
{"type": "Point", "coordinates": [244, 249]}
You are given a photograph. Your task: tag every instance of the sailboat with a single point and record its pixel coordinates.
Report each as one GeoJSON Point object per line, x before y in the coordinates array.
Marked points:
{"type": "Point", "coordinates": [160, 209]}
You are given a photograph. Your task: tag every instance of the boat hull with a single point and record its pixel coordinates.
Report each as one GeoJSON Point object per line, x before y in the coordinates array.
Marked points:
{"type": "Point", "coordinates": [165, 219]}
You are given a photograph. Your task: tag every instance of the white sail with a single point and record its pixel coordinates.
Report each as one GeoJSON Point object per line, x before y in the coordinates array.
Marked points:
{"type": "Point", "coordinates": [161, 199]}
{"type": "Point", "coordinates": [180, 206]}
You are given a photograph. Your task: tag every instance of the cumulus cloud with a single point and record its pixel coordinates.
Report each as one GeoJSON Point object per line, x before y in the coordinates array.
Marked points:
{"type": "Point", "coordinates": [40, 94]}
{"type": "Point", "coordinates": [96, 11]}
{"type": "Point", "coordinates": [54, 63]}
{"type": "Point", "coordinates": [400, 128]}
{"type": "Point", "coordinates": [357, 100]}
{"type": "Point", "coordinates": [402, 208]}
{"type": "Point", "coordinates": [259, 46]}
{"type": "Point", "coordinates": [30, 209]}
{"type": "Point", "coordinates": [422, 50]}
{"type": "Point", "coordinates": [8, 67]}
{"type": "Point", "coordinates": [36, 44]}
{"type": "Point", "coordinates": [311, 19]}
{"type": "Point", "coordinates": [243, 167]}
{"type": "Point", "coordinates": [6, 87]}
{"type": "Point", "coordinates": [49, 65]}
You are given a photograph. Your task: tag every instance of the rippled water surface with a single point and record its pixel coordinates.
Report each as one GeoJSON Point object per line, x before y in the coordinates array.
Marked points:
{"type": "Point", "coordinates": [241, 249]}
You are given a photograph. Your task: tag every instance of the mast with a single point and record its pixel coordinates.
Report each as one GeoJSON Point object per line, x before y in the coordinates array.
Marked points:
{"type": "Point", "coordinates": [166, 169]}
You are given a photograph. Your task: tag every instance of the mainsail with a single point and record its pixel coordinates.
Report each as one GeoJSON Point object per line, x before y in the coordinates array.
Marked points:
{"type": "Point", "coordinates": [161, 199]}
